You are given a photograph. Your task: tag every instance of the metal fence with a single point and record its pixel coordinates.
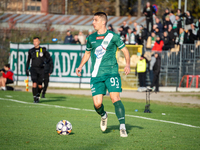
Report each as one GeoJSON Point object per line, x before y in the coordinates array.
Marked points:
{"type": "Point", "coordinates": [176, 65]}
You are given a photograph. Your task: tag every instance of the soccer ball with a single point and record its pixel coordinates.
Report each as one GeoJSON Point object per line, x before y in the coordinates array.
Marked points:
{"type": "Point", "coordinates": [64, 127]}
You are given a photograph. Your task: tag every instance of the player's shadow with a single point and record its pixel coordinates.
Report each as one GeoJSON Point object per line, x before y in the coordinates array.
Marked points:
{"type": "Point", "coordinates": [116, 127]}
{"type": "Point", "coordinates": [52, 99]}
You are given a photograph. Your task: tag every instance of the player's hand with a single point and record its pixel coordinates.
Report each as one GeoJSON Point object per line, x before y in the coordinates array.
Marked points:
{"type": "Point", "coordinates": [49, 74]}
{"type": "Point", "coordinates": [78, 71]}
{"type": "Point", "coordinates": [127, 69]}
{"type": "Point", "coordinates": [27, 73]}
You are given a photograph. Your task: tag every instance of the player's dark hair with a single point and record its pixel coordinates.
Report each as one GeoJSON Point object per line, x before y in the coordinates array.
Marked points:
{"type": "Point", "coordinates": [36, 38]}
{"type": "Point", "coordinates": [103, 15]}
{"type": "Point", "coordinates": [7, 65]}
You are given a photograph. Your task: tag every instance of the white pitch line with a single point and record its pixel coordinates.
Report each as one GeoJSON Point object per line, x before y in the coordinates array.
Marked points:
{"type": "Point", "coordinates": [133, 116]}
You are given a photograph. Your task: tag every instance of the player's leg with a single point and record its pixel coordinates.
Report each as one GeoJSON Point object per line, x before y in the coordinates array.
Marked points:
{"type": "Point", "coordinates": [3, 83]}
{"type": "Point", "coordinates": [40, 80]}
{"type": "Point", "coordinates": [119, 111]}
{"type": "Point", "coordinates": [157, 83]}
{"type": "Point", "coordinates": [46, 82]}
{"type": "Point", "coordinates": [34, 90]}
{"type": "Point", "coordinates": [99, 108]}
{"type": "Point", "coordinates": [114, 88]}
{"type": "Point", "coordinates": [98, 89]}
{"type": "Point", "coordinates": [34, 86]}
{"type": "Point", "coordinates": [147, 24]}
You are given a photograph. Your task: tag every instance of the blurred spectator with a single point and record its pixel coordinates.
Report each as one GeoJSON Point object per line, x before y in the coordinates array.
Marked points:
{"type": "Point", "coordinates": [7, 76]}
{"type": "Point", "coordinates": [131, 37]}
{"type": "Point", "coordinates": [177, 24]}
{"type": "Point", "coordinates": [148, 11]}
{"type": "Point", "coordinates": [172, 17]}
{"type": "Point", "coordinates": [141, 71]}
{"type": "Point", "coordinates": [122, 34]}
{"type": "Point", "coordinates": [158, 45]}
{"type": "Point", "coordinates": [159, 25]}
{"type": "Point", "coordinates": [89, 33]}
{"type": "Point", "coordinates": [165, 14]}
{"type": "Point", "coordinates": [136, 37]}
{"type": "Point", "coordinates": [189, 20]}
{"type": "Point", "coordinates": [68, 38]}
{"type": "Point", "coordinates": [125, 27]}
{"type": "Point", "coordinates": [198, 28]}
{"type": "Point", "coordinates": [167, 23]}
{"type": "Point", "coordinates": [153, 38]}
{"type": "Point", "coordinates": [156, 72]}
{"type": "Point", "coordinates": [194, 29]}
{"type": "Point", "coordinates": [110, 27]}
{"type": "Point", "coordinates": [142, 35]}
{"type": "Point", "coordinates": [76, 40]}
{"type": "Point", "coordinates": [151, 64]}
{"type": "Point", "coordinates": [81, 37]}
{"type": "Point", "coordinates": [136, 27]}
{"type": "Point", "coordinates": [166, 41]}
{"type": "Point", "coordinates": [172, 36]}
{"type": "Point", "coordinates": [158, 33]}
{"type": "Point", "coordinates": [178, 12]}
{"type": "Point", "coordinates": [192, 34]}
{"type": "Point", "coordinates": [182, 37]}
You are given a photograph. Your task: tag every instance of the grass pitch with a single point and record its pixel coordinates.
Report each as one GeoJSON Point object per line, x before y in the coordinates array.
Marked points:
{"type": "Point", "coordinates": [24, 125]}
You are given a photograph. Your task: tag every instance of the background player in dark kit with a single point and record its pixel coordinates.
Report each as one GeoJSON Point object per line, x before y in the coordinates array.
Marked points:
{"type": "Point", "coordinates": [48, 69]}
{"type": "Point", "coordinates": [37, 54]}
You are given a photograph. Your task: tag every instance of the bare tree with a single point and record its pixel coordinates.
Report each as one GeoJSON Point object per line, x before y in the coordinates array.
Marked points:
{"type": "Point", "coordinates": [117, 8]}
{"type": "Point", "coordinates": [139, 8]}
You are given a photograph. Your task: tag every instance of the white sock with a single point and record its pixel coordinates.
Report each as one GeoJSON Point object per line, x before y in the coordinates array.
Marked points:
{"type": "Point", "coordinates": [104, 116]}
{"type": "Point", "coordinates": [4, 88]}
{"type": "Point", "coordinates": [122, 126]}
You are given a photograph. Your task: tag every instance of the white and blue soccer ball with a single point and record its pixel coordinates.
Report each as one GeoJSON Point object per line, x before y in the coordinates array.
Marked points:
{"type": "Point", "coordinates": [64, 127]}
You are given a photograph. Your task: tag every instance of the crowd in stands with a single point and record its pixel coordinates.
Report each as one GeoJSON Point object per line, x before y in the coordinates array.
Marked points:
{"type": "Point", "coordinates": [160, 34]}
{"type": "Point", "coordinates": [163, 33]}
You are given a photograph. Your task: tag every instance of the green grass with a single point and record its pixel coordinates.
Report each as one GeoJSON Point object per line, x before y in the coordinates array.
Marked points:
{"type": "Point", "coordinates": [32, 126]}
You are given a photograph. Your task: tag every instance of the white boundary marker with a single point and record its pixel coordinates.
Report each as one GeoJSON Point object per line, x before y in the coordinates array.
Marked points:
{"type": "Point", "coordinates": [133, 116]}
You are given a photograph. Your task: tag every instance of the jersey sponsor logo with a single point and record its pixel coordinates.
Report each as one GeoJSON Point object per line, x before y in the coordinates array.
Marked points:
{"type": "Point", "coordinates": [99, 52]}
{"type": "Point", "coordinates": [105, 42]}
{"type": "Point", "coordinates": [93, 42]}
{"type": "Point", "coordinates": [99, 37]}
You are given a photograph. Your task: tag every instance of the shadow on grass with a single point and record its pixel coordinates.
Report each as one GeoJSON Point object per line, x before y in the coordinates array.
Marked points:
{"type": "Point", "coordinates": [116, 127]}
{"type": "Point", "coordinates": [52, 99]}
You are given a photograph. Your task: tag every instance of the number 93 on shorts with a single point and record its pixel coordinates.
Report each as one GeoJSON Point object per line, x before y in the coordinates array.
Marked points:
{"type": "Point", "coordinates": [99, 85]}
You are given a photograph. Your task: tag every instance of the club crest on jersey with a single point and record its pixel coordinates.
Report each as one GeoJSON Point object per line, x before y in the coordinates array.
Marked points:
{"type": "Point", "coordinates": [41, 54]}
{"type": "Point", "coordinates": [99, 51]}
{"type": "Point", "coordinates": [99, 37]}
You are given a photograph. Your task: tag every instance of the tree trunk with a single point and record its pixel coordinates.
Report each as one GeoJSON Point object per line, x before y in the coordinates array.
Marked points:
{"type": "Point", "coordinates": [139, 8]}
{"type": "Point", "coordinates": [117, 9]}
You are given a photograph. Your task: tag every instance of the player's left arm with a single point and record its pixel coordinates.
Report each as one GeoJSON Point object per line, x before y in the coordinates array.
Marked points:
{"type": "Point", "coordinates": [120, 44]}
{"type": "Point", "coordinates": [127, 69]}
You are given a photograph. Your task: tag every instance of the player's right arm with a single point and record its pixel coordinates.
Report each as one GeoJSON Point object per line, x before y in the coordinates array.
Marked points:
{"type": "Point", "coordinates": [85, 58]}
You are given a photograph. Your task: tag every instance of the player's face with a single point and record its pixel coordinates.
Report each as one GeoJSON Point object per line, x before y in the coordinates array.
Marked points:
{"type": "Point", "coordinates": [98, 22]}
{"type": "Point", "coordinates": [36, 43]}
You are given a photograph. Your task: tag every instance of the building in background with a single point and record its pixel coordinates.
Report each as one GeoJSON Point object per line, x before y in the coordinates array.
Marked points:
{"type": "Point", "coordinates": [34, 6]}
